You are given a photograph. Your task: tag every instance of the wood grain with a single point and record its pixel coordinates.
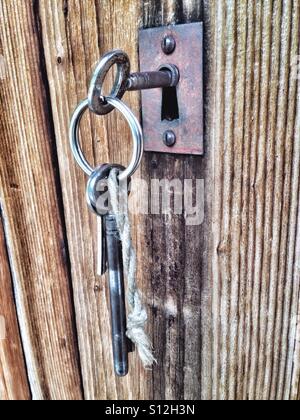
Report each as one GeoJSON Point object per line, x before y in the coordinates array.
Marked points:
{"type": "Point", "coordinates": [255, 143]}
{"type": "Point", "coordinates": [30, 193]}
{"type": "Point", "coordinates": [13, 375]}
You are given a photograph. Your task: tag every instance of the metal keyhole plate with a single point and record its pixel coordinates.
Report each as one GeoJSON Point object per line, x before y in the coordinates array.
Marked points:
{"type": "Point", "coordinates": [187, 55]}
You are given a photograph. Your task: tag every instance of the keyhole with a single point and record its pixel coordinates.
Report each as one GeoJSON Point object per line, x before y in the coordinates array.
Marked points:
{"type": "Point", "coordinates": [169, 108]}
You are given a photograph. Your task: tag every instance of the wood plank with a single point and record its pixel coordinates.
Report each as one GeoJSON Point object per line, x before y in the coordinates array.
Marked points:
{"type": "Point", "coordinates": [178, 253]}
{"type": "Point", "coordinates": [255, 141]}
{"type": "Point", "coordinates": [13, 377]}
{"type": "Point", "coordinates": [30, 194]}
{"type": "Point", "coordinates": [75, 35]}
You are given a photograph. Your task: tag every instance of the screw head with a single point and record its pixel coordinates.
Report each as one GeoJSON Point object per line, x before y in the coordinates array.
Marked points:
{"type": "Point", "coordinates": [169, 138]}
{"type": "Point", "coordinates": [168, 44]}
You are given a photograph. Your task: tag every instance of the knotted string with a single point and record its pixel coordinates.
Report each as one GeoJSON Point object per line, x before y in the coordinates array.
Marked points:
{"type": "Point", "coordinates": [137, 317]}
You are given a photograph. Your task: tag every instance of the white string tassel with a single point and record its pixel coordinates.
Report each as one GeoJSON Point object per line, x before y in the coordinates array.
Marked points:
{"type": "Point", "coordinates": [137, 318]}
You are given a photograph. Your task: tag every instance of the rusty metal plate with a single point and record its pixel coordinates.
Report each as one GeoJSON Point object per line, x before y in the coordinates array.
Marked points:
{"type": "Point", "coordinates": [188, 57]}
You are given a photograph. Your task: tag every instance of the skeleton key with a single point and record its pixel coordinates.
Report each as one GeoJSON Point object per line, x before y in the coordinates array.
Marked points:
{"type": "Point", "coordinates": [111, 258]}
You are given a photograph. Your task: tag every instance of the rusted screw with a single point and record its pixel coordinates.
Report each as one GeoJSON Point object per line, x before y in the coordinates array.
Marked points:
{"type": "Point", "coordinates": [168, 44]}
{"type": "Point", "coordinates": [169, 138]}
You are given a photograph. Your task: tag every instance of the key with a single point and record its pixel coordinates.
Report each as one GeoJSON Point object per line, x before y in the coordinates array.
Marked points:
{"type": "Point", "coordinates": [111, 259]}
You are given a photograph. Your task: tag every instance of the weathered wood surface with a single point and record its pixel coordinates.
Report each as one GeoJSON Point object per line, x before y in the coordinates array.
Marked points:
{"type": "Point", "coordinates": [178, 254]}
{"type": "Point", "coordinates": [30, 198]}
{"type": "Point", "coordinates": [223, 297]}
{"type": "Point", "coordinates": [255, 141]}
{"type": "Point", "coordinates": [13, 375]}
{"type": "Point", "coordinates": [75, 34]}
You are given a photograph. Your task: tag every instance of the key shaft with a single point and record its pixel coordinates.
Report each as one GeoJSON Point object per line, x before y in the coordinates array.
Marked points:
{"type": "Point", "coordinates": [117, 295]}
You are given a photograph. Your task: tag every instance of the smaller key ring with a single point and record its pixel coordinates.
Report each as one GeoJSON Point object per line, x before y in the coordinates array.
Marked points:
{"type": "Point", "coordinates": [136, 130]}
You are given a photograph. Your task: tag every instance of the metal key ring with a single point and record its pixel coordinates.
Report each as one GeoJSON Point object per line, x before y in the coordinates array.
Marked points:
{"type": "Point", "coordinates": [121, 59]}
{"type": "Point", "coordinates": [136, 130]}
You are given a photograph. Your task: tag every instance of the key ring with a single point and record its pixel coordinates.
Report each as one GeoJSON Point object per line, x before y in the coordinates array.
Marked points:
{"type": "Point", "coordinates": [115, 57]}
{"type": "Point", "coordinates": [136, 130]}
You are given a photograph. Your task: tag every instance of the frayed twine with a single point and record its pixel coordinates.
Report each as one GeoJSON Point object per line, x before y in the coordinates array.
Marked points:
{"type": "Point", "coordinates": [137, 318]}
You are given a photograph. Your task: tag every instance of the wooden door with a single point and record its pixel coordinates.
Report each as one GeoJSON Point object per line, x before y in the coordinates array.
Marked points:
{"type": "Point", "coordinates": [222, 297]}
